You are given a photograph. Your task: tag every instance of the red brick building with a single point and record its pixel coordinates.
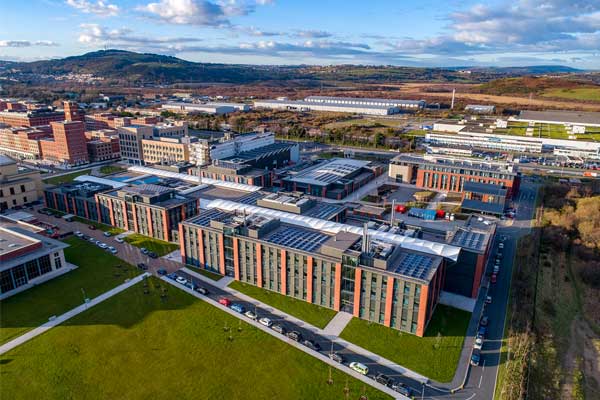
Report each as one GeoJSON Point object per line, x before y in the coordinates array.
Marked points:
{"type": "Point", "coordinates": [69, 144]}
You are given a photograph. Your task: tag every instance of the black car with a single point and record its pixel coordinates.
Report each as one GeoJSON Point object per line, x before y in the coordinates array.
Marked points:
{"type": "Point", "coordinates": [142, 266]}
{"type": "Point", "coordinates": [152, 254]}
{"type": "Point", "coordinates": [278, 329]}
{"type": "Point", "coordinates": [311, 344]}
{"type": "Point", "coordinates": [402, 389]}
{"type": "Point", "coordinates": [336, 357]}
{"type": "Point", "coordinates": [384, 379]}
{"type": "Point", "coordinates": [294, 335]}
{"type": "Point", "coordinates": [201, 290]}
{"type": "Point", "coordinates": [161, 271]}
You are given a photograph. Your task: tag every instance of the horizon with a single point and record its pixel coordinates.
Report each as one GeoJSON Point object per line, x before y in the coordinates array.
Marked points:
{"type": "Point", "coordinates": [270, 32]}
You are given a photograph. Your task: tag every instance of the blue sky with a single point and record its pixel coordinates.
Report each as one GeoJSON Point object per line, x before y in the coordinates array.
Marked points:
{"type": "Point", "coordinates": [400, 32]}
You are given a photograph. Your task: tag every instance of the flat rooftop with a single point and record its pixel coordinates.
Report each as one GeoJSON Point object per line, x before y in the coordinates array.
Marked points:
{"type": "Point", "coordinates": [327, 172]}
{"type": "Point", "coordinates": [362, 99]}
{"type": "Point", "coordinates": [485, 188]}
{"type": "Point", "coordinates": [455, 162]}
{"type": "Point", "coordinates": [309, 104]}
{"type": "Point", "coordinates": [561, 117]}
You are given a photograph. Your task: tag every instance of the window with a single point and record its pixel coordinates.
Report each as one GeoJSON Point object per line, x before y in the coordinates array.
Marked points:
{"type": "Point", "coordinates": [12, 190]}
{"type": "Point", "coordinates": [23, 189]}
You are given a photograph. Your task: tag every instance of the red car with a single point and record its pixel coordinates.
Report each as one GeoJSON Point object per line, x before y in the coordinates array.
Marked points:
{"type": "Point", "coordinates": [493, 278]}
{"type": "Point", "coordinates": [225, 302]}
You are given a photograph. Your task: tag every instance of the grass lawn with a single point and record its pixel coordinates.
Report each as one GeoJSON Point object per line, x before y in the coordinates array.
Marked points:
{"type": "Point", "coordinates": [434, 357]}
{"type": "Point", "coordinates": [160, 247]}
{"type": "Point", "coordinates": [139, 346]}
{"type": "Point", "coordinates": [592, 94]}
{"type": "Point", "coordinates": [111, 169]}
{"type": "Point", "coordinates": [209, 274]}
{"type": "Point", "coordinates": [56, 180]}
{"type": "Point", "coordinates": [96, 274]}
{"type": "Point", "coordinates": [311, 313]}
{"type": "Point", "coordinates": [103, 227]}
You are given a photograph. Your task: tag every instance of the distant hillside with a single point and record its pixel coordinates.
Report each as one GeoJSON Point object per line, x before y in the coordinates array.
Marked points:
{"type": "Point", "coordinates": [119, 66]}
{"type": "Point", "coordinates": [527, 85]}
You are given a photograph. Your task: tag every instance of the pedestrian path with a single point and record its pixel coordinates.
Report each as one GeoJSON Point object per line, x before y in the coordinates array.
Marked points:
{"type": "Point", "coordinates": [221, 283]}
{"type": "Point", "coordinates": [69, 314]}
{"type": "Point", "coordinates": [337, 323]}
{"type": "Point", "coordinates": [356, 349]}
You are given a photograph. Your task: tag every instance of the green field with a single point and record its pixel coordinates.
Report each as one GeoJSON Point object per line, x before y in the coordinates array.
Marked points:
{"type": "Point", "coordinates": [138, 345]}
{"type": "Point", "coordinates": [367, 122]}
{"type": "Point", "coordinates": [591, 94]}
{"type": "Point", "coordinates": [311, 313]}
{"type": "Point", "coordinates": [432, 356]}
{"type": "Point", "coordinates": [56, 180]}
{"type": "Point", "coordinates": [111, 169]}
{"type": "Point", "coordinates": [96, 274]}
{"type": "Point", "coordinates": [160, 247]}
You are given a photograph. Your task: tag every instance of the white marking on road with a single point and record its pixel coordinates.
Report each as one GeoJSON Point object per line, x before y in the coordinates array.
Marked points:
{"type": "Point", "coordinates": [482, 371]}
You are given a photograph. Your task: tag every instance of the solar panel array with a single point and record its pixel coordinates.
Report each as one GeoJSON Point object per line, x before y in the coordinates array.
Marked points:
{"type": "Point", "coordinates": [205, 217]}
{"type": "Point", "coordinates": [250, 198]}
{"type": "Point", "coordinates": [469, 239]}
{"type": "Point", "coordinates": [323, 211]}
{"type": "Point", "coordinates": [415, 266]}
{"type": "Point", "coordinates": [297, 238]}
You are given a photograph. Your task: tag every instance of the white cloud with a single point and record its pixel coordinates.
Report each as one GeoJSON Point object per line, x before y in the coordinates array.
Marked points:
{"type": "Point", "coordinates": [100, 7]}
{"type": "Point", "coordinates": [94, 34]}
{"type": "Point", "coordinates": [27, 43]}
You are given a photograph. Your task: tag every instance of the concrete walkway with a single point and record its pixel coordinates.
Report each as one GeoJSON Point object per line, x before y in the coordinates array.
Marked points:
{"type": "Point", "coordinates": [337, 323]}
{"type": "Point", "coordinates": [356, 349]}
{"type": "Point", "coordinates": [221, 283]}
{"type": "Point", "coordinates": [69, 314]}
{"type": "Point", "coordinates": [316, 354]}
{"type": "Point", "coordinates": [457, 301]}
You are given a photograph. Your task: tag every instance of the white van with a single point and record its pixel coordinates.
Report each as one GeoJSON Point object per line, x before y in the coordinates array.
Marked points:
{"type": "Point", "coordinates": [360, 368]}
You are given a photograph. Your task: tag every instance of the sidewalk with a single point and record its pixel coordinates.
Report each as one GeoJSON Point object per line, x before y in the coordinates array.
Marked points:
{"type": "Point", "coordinates": [69, 314]}
{"type": "Point", "coordinates": [337, 323]}
{"type": "Point", "coordinates": [283, 338]}
{"type": "Point", "coordinates": [390, 364]}
{"type": "Point", "coordinates": [221, 283]}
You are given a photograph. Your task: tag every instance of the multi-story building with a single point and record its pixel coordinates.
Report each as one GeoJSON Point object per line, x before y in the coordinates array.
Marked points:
{"type": "Point", "coordinates": [172, 130]}
{"type": "Point", "coordinates": [373, 279]}
{"type": "Point", "coordinates": [252, 167]}
{"type": "Point", "coordinates": [130, 141]}
{"type": "Point", "coordinates": [22, 142]}
{"type": "Point", "coordinates": [148, 209]}
{"type": "Point", "coordinates": [26, 257]}
{"type": "Point", "coordinates": [18, 185]}
{"type": "Point", "coordinates": [334, 179]}
{"type": "Point", "coordinates": [77, 198]}
{"type": "Point", "coordinates": [204, 151]}
{"type": "Point", "coordinates": [36, 117]}
{"type": "Point", "coordinates": [103, 145]}
{"type": "Point", "coordinates": [450, 174]}
{"type": "Point", "coordinates": [68, 144]}
{"type": "Point", "coordinates": [166, 150]}
{"type": "Point", "coordinates": [484, 198]}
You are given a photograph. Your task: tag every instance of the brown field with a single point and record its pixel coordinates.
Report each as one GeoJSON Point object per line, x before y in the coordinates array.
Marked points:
{"type": "Point", "coordinates": [425, 90]}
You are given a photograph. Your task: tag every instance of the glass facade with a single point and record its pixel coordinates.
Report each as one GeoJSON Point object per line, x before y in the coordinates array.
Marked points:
{"type": "Point", "coordinates": [20, 275]}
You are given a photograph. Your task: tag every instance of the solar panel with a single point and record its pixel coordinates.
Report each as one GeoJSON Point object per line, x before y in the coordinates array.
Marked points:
{"type": "Point", "coordinates": [470, 239]}
{"type": "Point", "coordinates": [205, 217]}
{"type": "Point", "coordinates": [250, 198]}
{"type": "Point", "coordinates": [415, 266]}
{"type": "Point", "coordinates": [297, 238]}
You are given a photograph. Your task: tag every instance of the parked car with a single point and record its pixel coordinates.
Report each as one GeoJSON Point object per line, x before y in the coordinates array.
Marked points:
{"type": "Point", "coordinates": [278, 329]}
{"type": "Point", "coordinates": [336, 357]}
{"type": "Point", "coordinates": [475, 357]}
{"type": "Point", "coordinates": [311, 344]}
{"type": "Point", "coordinates": [294, 335]}
{"type": "Point", "coordinates": [142, 266]}
{"type": "Point", "coordinates": [78, 234]}
{"type": "Point", "coordinates": [251, 314]}
{"type": "Point", "coordinates": [224, 301]}
{"type": "Point", "coordinates": [144, 250]}
{"type": "Point", "coordinates": [478, 344]}
{"type": "Point", "coordinates": [119, 239]}
{"type": "Point", "coordinates": [484, 320]}
{"type": "Point", "coordinates": [360, 368]}
{"type": "Point", "coordinates": [238, 307]}
{"type": "Point", "coordinates": [402, 389]}
{"type": "Point", "coordinates": [181, 280]}
{"type": "Point", "coordinates": [102, 245]}
{"type": "Point", "coordinates": [494, 278]}
{"type": "Point", "coordinates": [161, 271]}
{"type": "Point", "coordinates": [172, 276]}
{"type": "Point", "coordinates": [482, 331]}
{"type": "Point", "coordinates": [91, 240]}
{"type": "Point", "coordinates": [113, 250]}
{"type": "Point", "coordinates": [266, 322]}
{"type": "Point", "coordinates": [384, 379]}
{"type": "Point", "coordinates": [152, 254]}
{"type": "Point", "coordinates": [91, 227]}
{"type": "Point", "coordinates": [500, 245]}
{"type": "Point", "coordinates": [201, 290]}
{"type": "Point", "coordinates": [107, 234]}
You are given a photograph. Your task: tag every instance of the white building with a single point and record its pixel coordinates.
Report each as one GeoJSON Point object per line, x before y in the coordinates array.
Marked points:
{"type": "Point", "coordinates": [204, 152]}
{"type": "Point", "coordinates": [302, 105]}
{"type": "Point", "coordinates": [207, 108]}
{"type": "Point", "coordinates": [360, 101]}
{"type": "Point", "coordinates": [176, 129]}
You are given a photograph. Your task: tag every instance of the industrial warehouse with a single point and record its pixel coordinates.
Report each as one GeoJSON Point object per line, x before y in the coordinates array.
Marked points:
{"type": "Point", "coordinates": [366, 106]}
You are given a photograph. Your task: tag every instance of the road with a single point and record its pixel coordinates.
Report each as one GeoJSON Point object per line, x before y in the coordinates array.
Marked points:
{"type": "Point", "coordinates": [480, 381]}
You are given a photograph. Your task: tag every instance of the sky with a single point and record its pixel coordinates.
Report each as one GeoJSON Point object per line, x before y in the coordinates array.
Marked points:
{"type": "Point", "coordinates": [432, 33]}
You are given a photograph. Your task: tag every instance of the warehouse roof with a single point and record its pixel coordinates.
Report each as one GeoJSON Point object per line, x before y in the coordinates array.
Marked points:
{"type": "Point", "coordinates": [328, 172]}
{"type": "Point", "coordinates": [485, 188]}
{"type": "Point", "coordinates": [561, 117]}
